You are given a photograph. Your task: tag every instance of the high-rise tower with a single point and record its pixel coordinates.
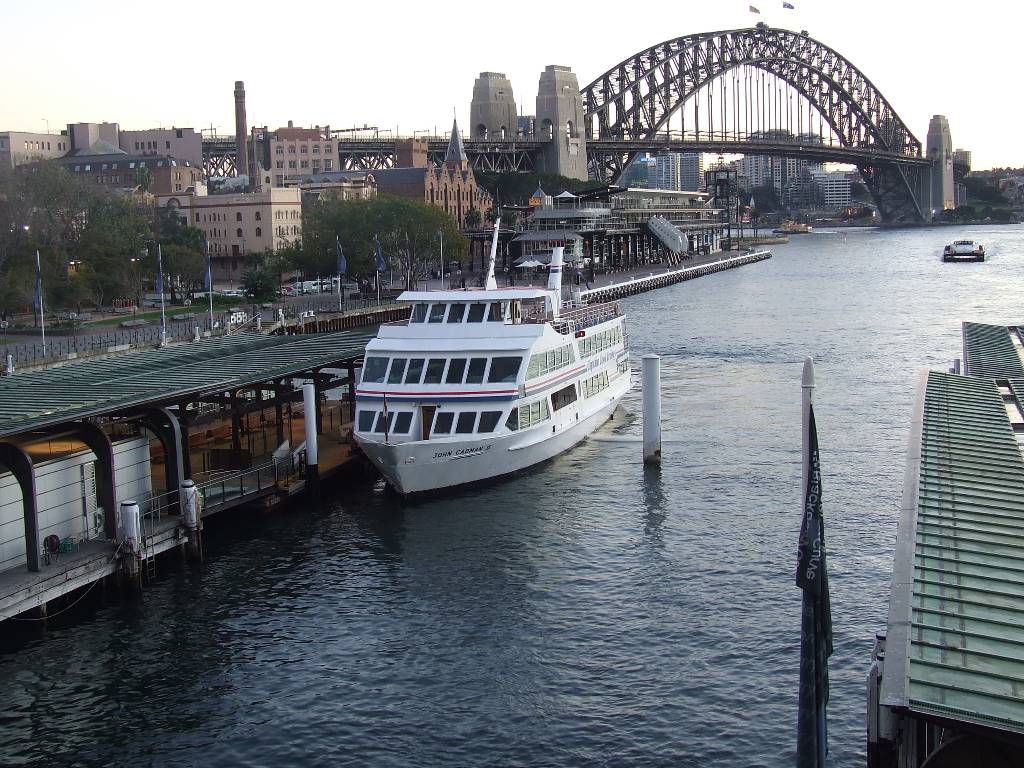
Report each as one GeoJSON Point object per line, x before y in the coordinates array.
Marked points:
{"type": "Point", "coordinates": [492, 113]}
{"type": "Point", "coordinates": [940, 152]}
{"type": "Point", "coordinates": [560, 121]}
{"type": "Point", "coordinates": [241, 130]}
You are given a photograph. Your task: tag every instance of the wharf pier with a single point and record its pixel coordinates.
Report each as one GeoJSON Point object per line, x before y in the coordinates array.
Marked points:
{"type": "Point", "coordinates": [224, 412]}
{"type": "Point", "coordinates": [946, 684]}
{"type": "Point", "coordinates": [641, 284]}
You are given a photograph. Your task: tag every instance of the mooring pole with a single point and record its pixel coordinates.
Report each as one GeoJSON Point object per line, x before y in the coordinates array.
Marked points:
{"type": "Point", "coordinates": [312, 457]}
{"type": "Point", "coordinates": [131, 541]}
{"type": "Point", "coordinates": [191, 519]}
{"type": "Point", "coordinates": [652, 408]}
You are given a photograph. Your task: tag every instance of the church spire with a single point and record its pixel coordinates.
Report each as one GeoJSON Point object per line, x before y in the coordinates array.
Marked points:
{"type": "Point", "coordinates": [456, 152]}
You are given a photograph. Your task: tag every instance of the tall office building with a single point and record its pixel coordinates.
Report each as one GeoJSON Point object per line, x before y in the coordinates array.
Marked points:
{"type": "Point", "coordinates": [692, 171]}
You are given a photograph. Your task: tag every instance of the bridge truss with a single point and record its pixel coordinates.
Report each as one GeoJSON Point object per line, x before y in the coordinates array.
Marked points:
{"type": "Point", "coordinates": [760, 86]}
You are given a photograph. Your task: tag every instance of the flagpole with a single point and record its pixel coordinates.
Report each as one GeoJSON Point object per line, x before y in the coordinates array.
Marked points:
{"type": "Point", "coordinates": [208, 284]}
{"type": "Point", "coordinates": [163, 310]}
{"type": "Point", "coordinates": [440, 235]}
{"type": "Point", "coordinates": [42, 313]}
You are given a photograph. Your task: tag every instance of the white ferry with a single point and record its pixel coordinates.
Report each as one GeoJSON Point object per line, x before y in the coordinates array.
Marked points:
{"type": "Point", "coordinates": [484, 382]}
{"type": "Point", "coordinates": [963, 250]}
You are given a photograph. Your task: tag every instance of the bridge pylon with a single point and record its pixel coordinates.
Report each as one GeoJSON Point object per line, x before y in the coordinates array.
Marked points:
{"type": "Point", "coordinates": [560, 123]}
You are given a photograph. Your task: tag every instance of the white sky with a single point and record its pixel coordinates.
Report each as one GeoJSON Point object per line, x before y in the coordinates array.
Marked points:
{"type": "Point", "coordinates": [408, 64]}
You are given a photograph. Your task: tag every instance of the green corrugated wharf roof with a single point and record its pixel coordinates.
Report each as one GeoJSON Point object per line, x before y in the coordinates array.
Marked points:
{"type": "Point", "coordinates": [989, 352]}
{"type": "Point", "coordinates": [94, 387]}
{"type": "Point", "coordinates": [955, 645]}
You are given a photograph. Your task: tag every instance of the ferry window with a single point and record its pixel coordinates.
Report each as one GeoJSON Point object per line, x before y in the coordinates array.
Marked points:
{"type": "Point", "coordinates": [488, 421]}
{"type": "Point", "coordinates": [435, 371]}
{"type": "Point", "coordinates": [476, 370]}
{"type": "Point", "coordinates": [443, 423]}
{"type": "Point", "coordinates": [403, 421]}
{"type": "Point", "coordinates": [419, 313]}
{"type": "Point", "coordinates": [374, 369]}
{"type": "Point", "coordinates": [381, 420]}
{"type": "Point", "coordinates": [563, 397]}
{"type": "Point", "coordinates": [366, 420]}
{"type": "Point", "coordinates": [494, 315]}
{"type": "Point", "coordinates": [535, 412]}
{"type": "Point", "coordinates": [512, 422]}
{"type": "Point", "coordinates": [397, 370]}
{"type": "Point", "coordinates": [467, 419]}
{"type": "Point", "coordinates": [415, 371]}
{"type": "Point", "coordinates": [455, 313]}
{"type": "Point", "coordinates": [533, 369]}
{"type": "Point", "coordinates": [504, 370]}
{"type": "Point", "coordinates": [437, 312]}
{"type": "Point", "coordinates": [476, 313]}
{"type": "Point", "coordinates": [456, 368]}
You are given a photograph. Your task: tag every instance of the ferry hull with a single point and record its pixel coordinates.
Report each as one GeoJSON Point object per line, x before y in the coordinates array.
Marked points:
{"type": "Point", "coordinates": [419, 467]}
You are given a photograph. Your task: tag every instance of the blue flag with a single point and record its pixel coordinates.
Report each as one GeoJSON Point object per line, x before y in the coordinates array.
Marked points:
{"type": "Point", "coordinates": [381, 264]}
{"type": "Point", "coordinates": [788, 5]}
{"type": "Point", "coordinates": [208, 277]}
{"type": "Point", "coordinates": [342, 263]}
{"type": "Point", "coordinates": [39, 285]}
{"type": "Point", "coordinates": [159, 272]}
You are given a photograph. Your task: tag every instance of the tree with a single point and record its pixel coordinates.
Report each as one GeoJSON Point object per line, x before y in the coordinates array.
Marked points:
{"type": "Point", "coordinates": [260, 283]}
{"type": "Point", "coordinates": [184, 253]}
{"type": "Point", "coordinates": [409, 233]}
{"type": "Point", "coordinates": [984, 190]}
{"type": "Point", "coordinates": [766, 198]}
{"type": "Point", "coordinates": [143, 178]}
{"type": "Point", "coordinates": [473, 218]}
{"type": "Point", "coordinates": [859, 191]}
{"type": "Point", "coordinates": [516, 188]}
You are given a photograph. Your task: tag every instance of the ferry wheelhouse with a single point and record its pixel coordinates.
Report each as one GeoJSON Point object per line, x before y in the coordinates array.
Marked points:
{"type": "Point", "coordinates": [963, 250]}
{"type": "Point", "coordinates": [480, 383]}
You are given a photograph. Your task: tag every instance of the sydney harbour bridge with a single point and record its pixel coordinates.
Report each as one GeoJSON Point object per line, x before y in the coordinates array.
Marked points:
{"type": "Point", "coordinates": [755, 91]}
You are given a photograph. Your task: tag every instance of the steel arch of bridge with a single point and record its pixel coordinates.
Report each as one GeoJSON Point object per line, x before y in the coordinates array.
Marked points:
{"type": "Point", "coordinates": [634, 101]}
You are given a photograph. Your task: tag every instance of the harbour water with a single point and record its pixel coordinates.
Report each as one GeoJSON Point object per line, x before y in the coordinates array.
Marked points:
{"type": "Point", "coordinates": [592, 612]}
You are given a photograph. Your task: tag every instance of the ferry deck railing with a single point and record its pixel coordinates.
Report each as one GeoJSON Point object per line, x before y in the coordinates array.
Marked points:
{"type": "Point", "coordinates": [578, 319]}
